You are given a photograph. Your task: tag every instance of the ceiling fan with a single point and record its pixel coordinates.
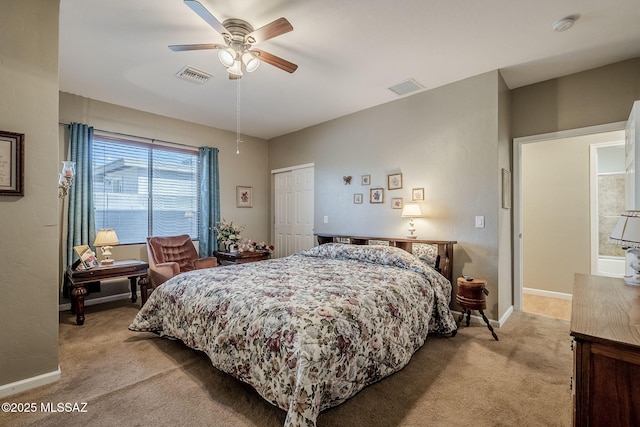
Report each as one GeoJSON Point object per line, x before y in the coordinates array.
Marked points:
{"type": "Point", "coordinates": [238, 52]}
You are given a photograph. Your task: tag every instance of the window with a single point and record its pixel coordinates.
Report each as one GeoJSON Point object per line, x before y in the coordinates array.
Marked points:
{"type": "Point", "coordinates": [142, 189]}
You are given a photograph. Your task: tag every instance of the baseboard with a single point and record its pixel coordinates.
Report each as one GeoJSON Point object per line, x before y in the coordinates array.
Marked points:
{"type": "Point", "coordinates": [550, 294]}
{"type": "Point", "coordinates": [476, 318]}
{"type": "Point", "coordinates": [99, 300]}
{"type": "Point", "coordinates": [505, 316]}
{"type": "Point", "coordinates": [29, 383]}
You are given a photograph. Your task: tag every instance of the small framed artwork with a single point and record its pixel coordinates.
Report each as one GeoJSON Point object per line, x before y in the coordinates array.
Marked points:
{"type": "Point", "coordinates": [376, 195]}
{"type": "Point", "coordinates": [397, 203]}
{"type": "Point", "coordinates": [506, 189]}
{"type": "Point", "coordinates": [366, 180]}
{"type": "Point", "coordinates": [417, 195]}
{"type": "Point", "coordinates": [357, 198]}
{"type": "Point", "coordinates": [394, 181]}
{"type": "Point", "coordinates": [244, 197]}
{"type": "Point", "coordinates": [11, 164]}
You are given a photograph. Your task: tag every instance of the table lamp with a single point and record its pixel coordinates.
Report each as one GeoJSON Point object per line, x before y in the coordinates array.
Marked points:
{"type": "Point", "coordinates": [411, 210]}
{"type": "Point", "coordinates": [627, 234]}
{"type": "Point", "coordinates": [105, 239]}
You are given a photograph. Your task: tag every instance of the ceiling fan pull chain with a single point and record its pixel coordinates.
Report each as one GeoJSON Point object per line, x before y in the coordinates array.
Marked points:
{"type": "Point", "coordinates": [238, 141]}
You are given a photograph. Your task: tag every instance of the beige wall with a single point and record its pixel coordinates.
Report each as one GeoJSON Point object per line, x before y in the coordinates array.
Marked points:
{"type": "Point", "coordinates": [249, 168]}
{"type": "Point", "coordinates": [505, 257]}
{"type": "Point", "coordinates": [594, 97]}
{"type": "Point", "coordinates": [29, 234]}
{"type": "Point", "coordinates": [555, 212]}
{"type": "Point", "coordinates": [447, 140]}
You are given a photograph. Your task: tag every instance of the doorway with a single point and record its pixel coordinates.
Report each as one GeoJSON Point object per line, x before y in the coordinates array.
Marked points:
{"type": "Point", "coordinates": [556, 225]}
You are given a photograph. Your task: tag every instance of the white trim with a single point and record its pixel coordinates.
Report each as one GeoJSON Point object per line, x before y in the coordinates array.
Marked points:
{"type": "Point", "coordinates": [594, 200]}
{"type": "Point", "coordinates": [290, 168]}
{"type": "Point", "coordinates": [589, 130]}
{"type": "Point", "coordinates": [549, 294]}
{"type": "Point", "coordinates": [517, 193]}
{"type": "Point", "coordinates": [29, 383]}
{"type": "Point", "coordinates": [99, 300]}
{"type": "Point", "coordinates": [593, 208]}
{"type": "Point", "coordinates": [505, 316]}
{"type": "Point", "coordinates": [475, 319]}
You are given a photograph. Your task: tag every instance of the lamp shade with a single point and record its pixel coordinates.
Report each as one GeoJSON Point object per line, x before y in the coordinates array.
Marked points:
{"type": "Point", "coordinates": [68, 169]}
{"type": "Point", "coordinates": [251, 61]}
{"type": "Point", "coordinates": [227, 56]}
{"type": "Point", "coordinates": [236, 68]}
{"type": "Point", "coordinates": [627, 231]}
{"type": "Point", "coordinates": [106, 237]}
{"type": "Point", "coordinates": [411, 210]}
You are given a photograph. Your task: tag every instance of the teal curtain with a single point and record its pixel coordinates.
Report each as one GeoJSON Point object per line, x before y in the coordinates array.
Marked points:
{"type": "Point", "coordinates": [209, 200]}
{"type": "Point", "coordinates": [81, 229]}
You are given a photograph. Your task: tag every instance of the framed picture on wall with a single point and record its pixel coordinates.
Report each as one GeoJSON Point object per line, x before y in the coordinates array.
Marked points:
{"type": "Point", "coordinates": [366, 180]}
{"type": "Point", "coordinates": [244, 197]}
{"type": "Point", "coordinates": [397, 203]}
{"type": "Point", "coordinates": [376, 195]}
{"type": "Point", "coordinates": [417, 194]}
{"type": "Point", "coordinates": [11, 164]}
{"type": "Point", "coordinates": [394, 181]}
{"type": "Point", "coordinates": [506, 189]}
{"type": "Point", "coordinates": [357, 198]}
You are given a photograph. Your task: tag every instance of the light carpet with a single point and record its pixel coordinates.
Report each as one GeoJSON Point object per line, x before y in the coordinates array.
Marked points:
{"type": "Point", "coordinates": [137, 379]}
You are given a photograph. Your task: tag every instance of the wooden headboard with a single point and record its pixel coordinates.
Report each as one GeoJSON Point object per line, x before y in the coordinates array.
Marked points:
{"type": "Point", "coordinates": [445, 248]}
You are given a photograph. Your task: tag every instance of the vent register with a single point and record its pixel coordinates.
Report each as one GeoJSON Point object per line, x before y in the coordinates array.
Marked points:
{"type": "Point", "coordinates": [405, 87]}
{"type": "Point", "coordinates": [193, 75]}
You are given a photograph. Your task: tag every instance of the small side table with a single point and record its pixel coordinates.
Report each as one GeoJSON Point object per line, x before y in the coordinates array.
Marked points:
{"type": "Point", "coordinates": [472, 296]}
{"type": "Point", "coordinates": [132, 269]}
{"type": "Point", "coordinates": [226, 258]}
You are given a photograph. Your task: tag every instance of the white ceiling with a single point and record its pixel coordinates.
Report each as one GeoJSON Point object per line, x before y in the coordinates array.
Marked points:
{"type": "Point", "coordinates": [349, 52]}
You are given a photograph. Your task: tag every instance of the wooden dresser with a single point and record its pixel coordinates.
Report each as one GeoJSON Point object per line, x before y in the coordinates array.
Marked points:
{"type": "Point", "coordinates": [605, 324]}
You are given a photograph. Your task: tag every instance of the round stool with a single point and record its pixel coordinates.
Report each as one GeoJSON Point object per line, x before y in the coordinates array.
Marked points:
{"type": "Point", "coordinates": [472, 296]}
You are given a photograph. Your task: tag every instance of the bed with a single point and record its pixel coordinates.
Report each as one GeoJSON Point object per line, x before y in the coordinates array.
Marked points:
{"type": "Point", "coordinates": [310, 330]}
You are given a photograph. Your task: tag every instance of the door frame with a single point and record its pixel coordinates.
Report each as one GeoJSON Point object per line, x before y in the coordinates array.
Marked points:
{"type": "Point", "coordinates": [593, 197]}
{"type": "Point", "coordinates": [517, 193]}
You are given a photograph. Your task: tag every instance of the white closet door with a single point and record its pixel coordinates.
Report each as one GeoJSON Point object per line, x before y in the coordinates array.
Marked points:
{"type": "Point", "coordinates": [294, 211]}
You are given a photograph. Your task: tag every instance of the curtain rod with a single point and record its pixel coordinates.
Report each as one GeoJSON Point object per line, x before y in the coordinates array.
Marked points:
{"type": "Point", "coordinates": [135, 136]}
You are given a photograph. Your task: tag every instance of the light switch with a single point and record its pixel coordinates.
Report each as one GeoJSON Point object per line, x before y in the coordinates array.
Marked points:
{"type": "Point", "coordinates": [479, 221]}
{"type": "Point", "coordinates": [326, 219]}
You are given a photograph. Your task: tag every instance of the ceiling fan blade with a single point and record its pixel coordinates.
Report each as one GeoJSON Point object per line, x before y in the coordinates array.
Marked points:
{"type": "Point", "coordinates": [202, 46]}
{"type": "Point", "coordinates": [269, 31]}
{"type": "Point", "coordinates": [276, 61]}
{"type": "Point", "coordinates": [203, 13]}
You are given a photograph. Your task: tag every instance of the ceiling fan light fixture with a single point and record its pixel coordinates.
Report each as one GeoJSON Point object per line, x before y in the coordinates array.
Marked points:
{"type": "Point", "coordinates": [235, 69]}
{"type": "Point", "coordinates": [227, 56]}
{"type": "Point", "coordinates": [251, 61]}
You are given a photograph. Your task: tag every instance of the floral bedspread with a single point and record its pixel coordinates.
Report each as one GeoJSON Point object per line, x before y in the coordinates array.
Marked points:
{"type": "Point", "coordinates": [310, 330]}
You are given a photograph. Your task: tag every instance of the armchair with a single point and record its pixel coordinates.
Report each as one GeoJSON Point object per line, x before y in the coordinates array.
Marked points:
{"type": "Point", "coordinates": [171, 255]}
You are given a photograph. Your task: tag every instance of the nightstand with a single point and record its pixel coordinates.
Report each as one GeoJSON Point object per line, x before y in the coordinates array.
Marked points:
{"type": "Point", "coordinates": [471, 295]}
{"type": "Point", "coordinates": [226, 258]}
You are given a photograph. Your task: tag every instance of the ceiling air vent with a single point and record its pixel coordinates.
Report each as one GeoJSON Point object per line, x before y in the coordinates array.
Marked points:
{"type": "Point", "coordinates": [193, 75]}
{"type": "Point", "coordinates": [406, 87]}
